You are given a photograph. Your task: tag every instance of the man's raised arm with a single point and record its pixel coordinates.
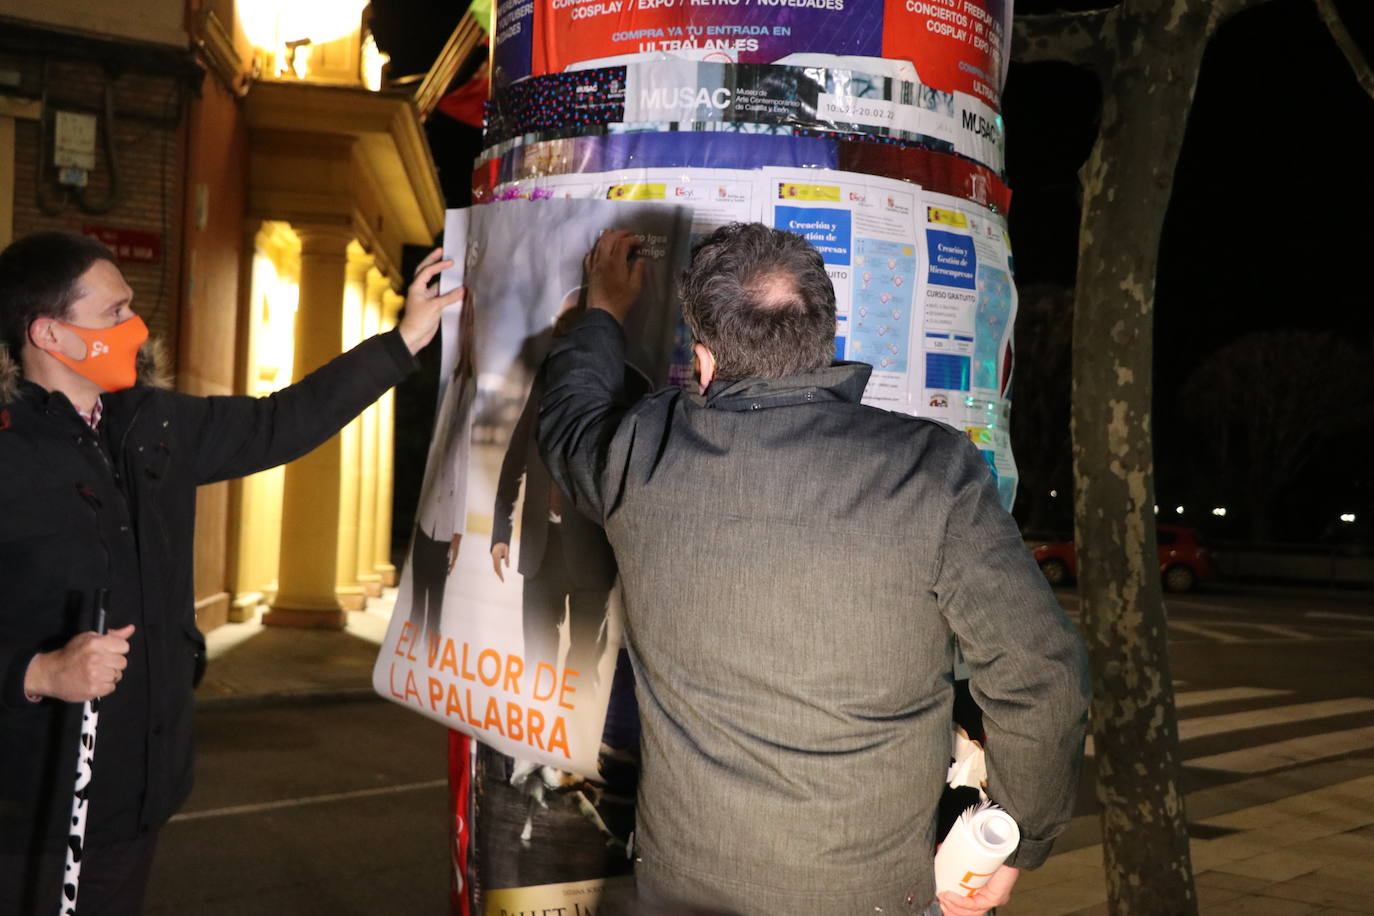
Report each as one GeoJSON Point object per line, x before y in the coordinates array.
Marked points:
{"type": "Point", "coordinates": [584, 398]}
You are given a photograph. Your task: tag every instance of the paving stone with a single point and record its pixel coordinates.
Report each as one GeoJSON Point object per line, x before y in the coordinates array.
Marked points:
{"type": "Point", "coordinates": [1056, 899]}
{"type": "Point", "coordinates": [1275, 866]}
{"type": "Point", "coordinates": [1222, 880]}
{"type": "Point", "coordinates": [1322, 891]}
{"type": "Point", "coordinates": [1263, 906]}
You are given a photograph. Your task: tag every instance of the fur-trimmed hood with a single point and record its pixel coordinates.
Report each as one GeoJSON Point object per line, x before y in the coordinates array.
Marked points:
{"type": "Point", "coordinates": [153, 369]}
{"type": "Point", "coordinates": [9, 376]}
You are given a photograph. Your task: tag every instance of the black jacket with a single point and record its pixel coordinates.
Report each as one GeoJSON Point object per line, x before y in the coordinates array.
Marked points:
{"type": "Point", "coordinates": [80, 511]}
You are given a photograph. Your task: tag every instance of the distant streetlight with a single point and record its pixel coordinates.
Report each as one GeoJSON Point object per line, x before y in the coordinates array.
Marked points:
{"type": "Point", "coordinates": [1348, 517]}
{"type": "Point", "coordinates": [1156, 510]}
{"type": "Point", "coordinates": [1219, 511]}
{"type": "Point", "coordinates": [1053, 494]}
{"type": "Point", "coordinates": [1178, 509]}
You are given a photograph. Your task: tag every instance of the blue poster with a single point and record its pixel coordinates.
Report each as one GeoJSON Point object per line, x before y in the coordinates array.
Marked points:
{"type": "Point", "coordinates": [952, 260]}
{"type": "Point", "coordinates": [948, 371]}
{"type": "Point", "coordinates": [823, 227]}
{"type": "Point", "coordinates": [991, 318]}
{"type": "Point", "coordinates": [884, 277]}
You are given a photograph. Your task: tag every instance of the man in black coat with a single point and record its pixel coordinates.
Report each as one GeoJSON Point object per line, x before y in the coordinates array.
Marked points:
{"type": "Point", "coordinates": [97, 491]}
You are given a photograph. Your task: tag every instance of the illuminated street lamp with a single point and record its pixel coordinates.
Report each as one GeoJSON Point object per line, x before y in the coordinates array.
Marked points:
{"type": "Point", "coordinates": [1348, 517]}
{"type": "Point", "coordinates": [1219, 511]}
{"type": "Point", "coordinates": [1178, 509]}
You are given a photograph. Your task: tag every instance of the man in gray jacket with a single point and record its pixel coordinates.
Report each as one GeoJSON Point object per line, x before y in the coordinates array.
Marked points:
{"type": "Point", "coordinates": [796, 567]}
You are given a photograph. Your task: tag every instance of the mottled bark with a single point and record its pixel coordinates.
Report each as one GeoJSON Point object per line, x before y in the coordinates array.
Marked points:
{"type": "Point", "coordinates": [1126, 186]}
{"type": "Point", "coordinates": [1075, 38]}
{"type": "Point", "coordinates": [1148, 54]}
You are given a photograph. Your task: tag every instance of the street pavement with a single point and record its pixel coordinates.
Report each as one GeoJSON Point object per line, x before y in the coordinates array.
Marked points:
{"type": "Point", "coordinates": [1275, 697]}
{"type": "Point", "coordinates": [313, 796]}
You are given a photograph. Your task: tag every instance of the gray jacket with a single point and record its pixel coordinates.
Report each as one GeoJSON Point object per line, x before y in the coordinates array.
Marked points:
{"type": "Point", "coordinates": [795, 565]}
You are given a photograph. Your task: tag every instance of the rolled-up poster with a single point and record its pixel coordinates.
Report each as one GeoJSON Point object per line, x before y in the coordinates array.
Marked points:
{"type": "Point", "coordinates": [978, 843]}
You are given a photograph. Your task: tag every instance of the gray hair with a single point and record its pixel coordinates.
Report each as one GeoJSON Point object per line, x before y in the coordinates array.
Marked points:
{"type": "Point", "coordinates": [759, 299]}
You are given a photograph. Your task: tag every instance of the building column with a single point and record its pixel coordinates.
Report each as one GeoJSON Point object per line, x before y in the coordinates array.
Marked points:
{"type": "Point", "coordinates": [6, 179]}
{"type": "Point", "coordinates": [308, 568]}
{"type": "Point", "coordinates": [11, 109]}
{"type": "Point", "coordinates": [386, 430]}
{"type": "Point", "coordinates": [350, 591]}
{"type": "Point", "coordinates": [368, 575]}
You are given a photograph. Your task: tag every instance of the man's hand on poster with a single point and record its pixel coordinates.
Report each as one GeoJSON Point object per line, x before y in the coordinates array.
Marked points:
{"type": "Point", "coordinates": [87, 667]}
{"type": "Point", "coordinates": [615, 275]}
{"type": "Point", "coordinates": [995, 893]}
{"type": "Point", "coordinates": [500, 553]}
{"type": "Point", "coordinates": [453, 550]}
{"type": "Point", "coordinates": [423, 302]}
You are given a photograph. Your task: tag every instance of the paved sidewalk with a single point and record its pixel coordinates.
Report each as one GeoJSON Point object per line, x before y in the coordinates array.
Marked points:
{"type": "Point", "coordinates": [1308, 851]}
{"type": "Point", "coordinates": [1312, 852]}
{"type": "Point", "coordinates": [251, 663]}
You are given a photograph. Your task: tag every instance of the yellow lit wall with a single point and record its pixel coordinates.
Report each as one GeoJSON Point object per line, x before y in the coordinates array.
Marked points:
{"type": "Point", "coordinates": [331, 28]}
{"type": "Point", "coordinates": [271, 329]}
{"type": "Point", "coordinates": [351, 592]}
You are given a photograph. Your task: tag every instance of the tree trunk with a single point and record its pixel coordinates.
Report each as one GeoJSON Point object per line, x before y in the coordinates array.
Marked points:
{"type": "Point", "coordinates": [1147, 92]}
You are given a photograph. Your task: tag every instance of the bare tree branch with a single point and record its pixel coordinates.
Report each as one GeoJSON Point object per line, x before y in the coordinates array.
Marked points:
{"type": "Point", "coordinates": [1086, 38]}
{"type": "Point", "coordinates": [1073, 38]}
{"type": "Point", "coordinates": [1353, 55]}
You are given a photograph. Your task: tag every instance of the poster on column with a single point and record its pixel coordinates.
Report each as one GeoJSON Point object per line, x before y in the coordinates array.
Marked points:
{"type": "Point", "coordinates": [954, 45]}
{"type": "Point", "coordinates": [680, 94]}
{"type": "Point", "coordinates": [711, 198]}
{"type": "Point", "coordinates": [865, 229]}
{"type": "Point", "coordinates": [968, 306]}
{"type": "Point", "coordinates": [507, 623]}
{"type": "Point", "coordinates": [465, 646]}
{"type": "Point", "coordinates": [922, 280]}
{"type": "Point", "coordinates": [737, 152]}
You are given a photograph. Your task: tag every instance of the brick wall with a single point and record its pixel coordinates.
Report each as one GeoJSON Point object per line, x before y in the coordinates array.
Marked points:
{"type": "Point", "coordinates": [149, 149]}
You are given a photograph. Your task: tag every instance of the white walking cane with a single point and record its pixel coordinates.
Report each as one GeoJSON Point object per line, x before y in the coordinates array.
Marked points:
{"type": "Point", "coordinates": [85, 757]}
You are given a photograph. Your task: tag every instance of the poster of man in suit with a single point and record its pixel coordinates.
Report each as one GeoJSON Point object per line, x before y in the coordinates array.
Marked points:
{"type": "Point", "coordinates": [565, 560]}
{"type": "Point", "coordinates": [505, 626]}
{"type": "Point", "coordinates": [443, 494]}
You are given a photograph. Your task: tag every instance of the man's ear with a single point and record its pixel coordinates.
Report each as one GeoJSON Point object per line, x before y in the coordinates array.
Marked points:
{"type": "Point", "coordinates": [706, 364]}
{"type": "Point", "coordinates": [43, 334]}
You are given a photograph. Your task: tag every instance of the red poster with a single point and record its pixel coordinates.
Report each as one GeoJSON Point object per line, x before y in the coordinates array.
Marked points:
{"type": "Point", "coordinates": [955, 45]}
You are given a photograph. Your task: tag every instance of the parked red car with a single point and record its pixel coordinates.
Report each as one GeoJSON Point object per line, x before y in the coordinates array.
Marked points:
{"type": "Point", "coordinates": [1183, 560]}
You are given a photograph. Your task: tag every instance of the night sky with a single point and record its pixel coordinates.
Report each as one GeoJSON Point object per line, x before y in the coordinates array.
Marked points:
{"type": "Point", "coordinates": [1268, 225]}
{"type": "Point", "coordinates": [1271, 191]}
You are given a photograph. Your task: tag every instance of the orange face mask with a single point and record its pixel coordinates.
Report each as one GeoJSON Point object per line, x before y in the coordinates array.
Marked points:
{"type": "Point", "coordinates": [111, 359]}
